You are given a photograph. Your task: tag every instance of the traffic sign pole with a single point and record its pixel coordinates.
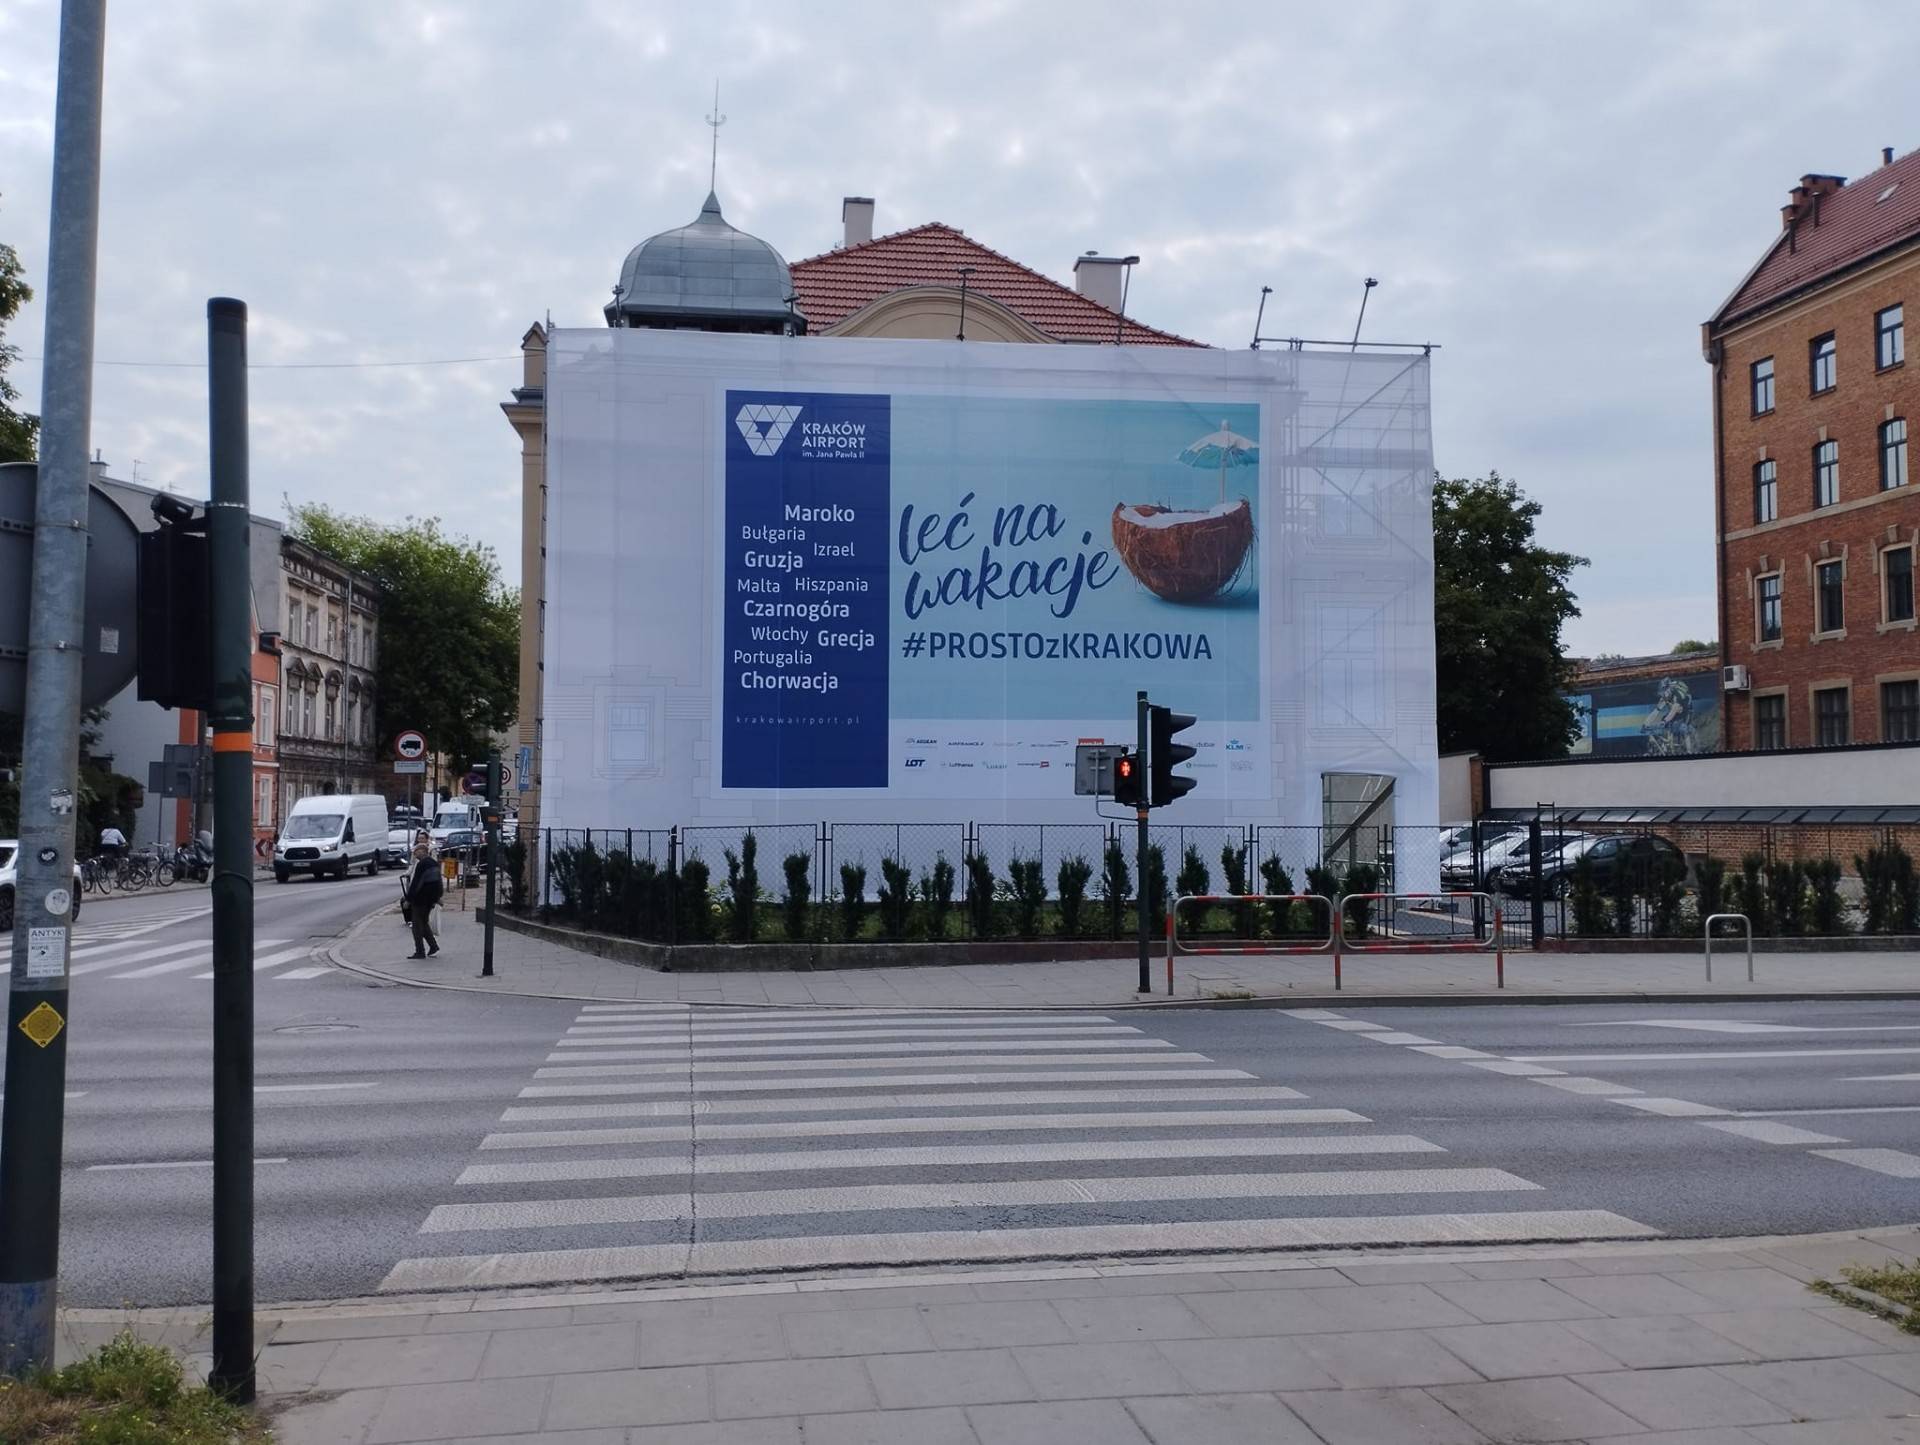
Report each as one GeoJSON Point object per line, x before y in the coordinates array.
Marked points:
{"type": "Point", "coordinates": [492, 817]}
{"type": "Point", "coordinates": [1140, 744]}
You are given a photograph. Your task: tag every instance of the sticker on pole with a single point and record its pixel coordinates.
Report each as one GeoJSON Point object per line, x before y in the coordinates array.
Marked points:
{"type": "Point", "coordinates": [410, 746]}
{"type": "Point", "coordinates": [46, 952]}
{"type": "Point", "coordinates": [58, 900]}
{"type": "Point", "coordinates": [43, 1024]}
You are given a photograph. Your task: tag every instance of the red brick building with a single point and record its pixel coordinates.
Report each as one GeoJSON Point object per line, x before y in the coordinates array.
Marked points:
{"type": "Point", "coordinates": [1818, 520]}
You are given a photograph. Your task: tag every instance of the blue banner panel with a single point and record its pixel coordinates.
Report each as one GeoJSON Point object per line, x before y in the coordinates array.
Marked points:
{"type": "Point", "coordinates": [808, 503]}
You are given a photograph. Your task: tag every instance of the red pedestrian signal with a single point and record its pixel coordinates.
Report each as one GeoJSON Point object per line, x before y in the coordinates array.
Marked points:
{"type": "Point", "coordinates": [1128, 781]}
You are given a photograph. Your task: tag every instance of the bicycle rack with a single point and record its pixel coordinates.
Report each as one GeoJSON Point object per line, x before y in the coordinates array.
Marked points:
{"type": "Point", "coordinates": [1329, 944]}
{"type": "Point", "coordinates": [1494, 942]}
{"type": "Point", "coordinates": [1746, 924]}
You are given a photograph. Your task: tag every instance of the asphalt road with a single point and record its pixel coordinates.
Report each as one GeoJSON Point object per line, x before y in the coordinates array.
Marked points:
{"type": "Point", "coordinates": [412, 1140]}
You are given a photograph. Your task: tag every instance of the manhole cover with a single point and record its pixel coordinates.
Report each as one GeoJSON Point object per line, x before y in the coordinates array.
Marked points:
{"type": "Point", "coordinates": [315, 1028]}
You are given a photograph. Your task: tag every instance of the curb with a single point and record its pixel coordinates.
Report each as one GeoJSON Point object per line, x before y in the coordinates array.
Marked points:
{"type": "Point", "coordinates": [816, 1281]}
{"type": "Point", "coordinates": [1318, 999]}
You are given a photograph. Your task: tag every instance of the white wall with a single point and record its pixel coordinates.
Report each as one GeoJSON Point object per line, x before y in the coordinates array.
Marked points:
{"type": "Point", "coordinates": [1865, 777]}
{"type": "Point", "coordinates": [1456, 787]}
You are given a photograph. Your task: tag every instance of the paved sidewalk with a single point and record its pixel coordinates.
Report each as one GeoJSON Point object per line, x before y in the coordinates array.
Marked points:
{"type": "Point", "coordinates": [1683, 1343]}
{"type": "Point", "coordinates": [524, 965]}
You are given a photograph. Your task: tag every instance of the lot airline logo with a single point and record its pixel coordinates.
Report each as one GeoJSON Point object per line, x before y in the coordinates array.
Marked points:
{"type": "Point", "coordinates": [764, 428]}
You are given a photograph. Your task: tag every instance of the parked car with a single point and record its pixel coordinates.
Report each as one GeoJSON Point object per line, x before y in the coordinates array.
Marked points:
{"type": "Point", "coordinates": [1646, 858]}
{"type": "Point", "coordinates": [1455, 836]}
{"type": "Point", "coordinates": [332, 833]}
{"type": "Point", "coordinates": [1456, 869]}
{"type": "Point", "coordinates": [9, 870]}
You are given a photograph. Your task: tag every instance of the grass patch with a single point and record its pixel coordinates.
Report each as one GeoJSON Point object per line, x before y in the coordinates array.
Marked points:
{"type": "Point", "coordinates": [126, 1393]}
{"type": "Point", "coordinates": [1898, 1283]}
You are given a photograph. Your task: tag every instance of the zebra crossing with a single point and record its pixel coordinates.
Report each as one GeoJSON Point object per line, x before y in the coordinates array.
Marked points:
{"type": "Point", "coordinates": [127, 954]}
{"type": "Point", "coordinates": [660, 1141]}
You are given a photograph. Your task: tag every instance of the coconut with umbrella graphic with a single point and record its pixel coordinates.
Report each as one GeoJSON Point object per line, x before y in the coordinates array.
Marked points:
{"type": "Point", "coordinates": [1189, 555]}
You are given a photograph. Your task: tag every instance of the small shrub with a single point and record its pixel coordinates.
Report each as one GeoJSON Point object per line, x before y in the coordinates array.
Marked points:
{"type": "Point", "coordinates": [696, 902]}
{"type": "Point", "coordinates": [563, 878]}
{"type": "Point", "coordinates": [1156, 891]}
{"type": "Point", "coordinates": [1362, 878]}
{"type": "Point", "coordinates": [1233, 868]}
{"type": "Point", "coordinates": [1027, 890]}
{"type": "Point", "coordinates": [1116, 886]}
{"type": "Point", "coordinates": [1193, 877]}
{"type": "Point", "coordinates": [1747, 893]}
{"type": "Point", "coordinates": [896, 898]}
{"type": "Point", "coordinates": [794, 907]}
{"type": "Point", "coordinates": [1787, 898]}
{"type": "Point", "coordinates": [1274, 878]}
{"type": "Point", "coordinates": [590, 869]}
{"type": "Point", "coordinates": [743, 889]}
{"type": "Point", "coordinates": [513, 854]}
{"type": "Point", "coordinates": [1669, 892]}
{"type": "Point", "coordinates": [1589, 908]}
{"type": "Point", "coordinates": [1325, 881]}
{"type": "Point", "coordinates": [853, 901]}
{"type": "Point", "coordinates": [1891, 887]}
{"type": "Point", "coordinates": [979, 895]}
{"type": "Point", "coordinates": [1070, 883]}
{"type": "Point", "coordinates": [1622, 896]}
{"type": "Point", "coordinates": [936, 897]}
{"type": "Point", "coordinates": [1829, 909]}
{"type": "Point", "coordinates": [1711, 879]}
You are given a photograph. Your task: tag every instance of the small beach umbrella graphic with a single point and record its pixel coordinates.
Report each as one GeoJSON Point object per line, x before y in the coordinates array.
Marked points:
{"type": "Point", "coordinates": [1221, 449]}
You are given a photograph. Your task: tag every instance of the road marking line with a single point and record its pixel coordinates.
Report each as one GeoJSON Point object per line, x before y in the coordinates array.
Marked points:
{"type": "Point", "coordinates": [969, 1194]}
{"type": "Point", "coordinates": [94, 964]}
{"type": "Point", "coordinates": [1513, 1069]}
{"type": "Point", "coordinates": [1893, 1162]}
{"type": "Point", "coordinates": [1318, 1015]}
{"type": "Point", "coordinates": [1741, 1026]}
{"type": "Point", "coordinates": [313, 972]}
{"type": "Point", "coordinates": [791, 1066]}
{"type": "Point", "coordinates": [309, 1088]}
{"type": "Point", "coordinates": [748, 1086]}
{"type": "Point", "coordinates": [973, 1124]}
{"type": "Point", "coordinates": [978, 1246]}
{"type": "Point", "coordinates": [1672, 1108]}
{"type": "Point", "coordinates": [1765, 1131]}
{"type": "Point", "coordinates": [841, 1037]}
{"type": "Point", "coordinates": [1392, 1037]}
{"type": "Point", "coordinates": [707, 1023]}
{"type": "Point", "coordinates": [1449, 1051]}
{"type": "Point", "coordinates": [305, 951]}
{"type": "Point", "coordinates": [670, 1050]}
{"type": "Point", "coordinates": [1713, 1054]}
{"type": "Point", "coordinates": [1882, 1079]}
{"type": "Point", "coordinates": [941, 1099]}
{"type": "Point", "coordinates": [1578, 1085]}
{"type": "Point", "coordinates": [1354, 1026]}
{"type": "Point", "coordinates": [206, 952]}
{"type": "Point", "coordinates": [169, 1164]}
{"type": "Point", "coordinates": [922, 1156]}
{"type": "Point", "coordinates": [1847, 1109]}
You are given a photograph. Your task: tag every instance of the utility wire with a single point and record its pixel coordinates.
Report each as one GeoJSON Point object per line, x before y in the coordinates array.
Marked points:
{"type": "Point", "coordinates": [308, 365]}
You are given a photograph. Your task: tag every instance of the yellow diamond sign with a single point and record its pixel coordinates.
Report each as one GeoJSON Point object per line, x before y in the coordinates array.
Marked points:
{"type": "Point", "coordinates": [43, 1025]}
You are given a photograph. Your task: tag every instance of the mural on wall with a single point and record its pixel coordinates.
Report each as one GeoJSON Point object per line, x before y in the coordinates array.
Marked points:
{"type": "Point", "coordinates": [1676, 715]}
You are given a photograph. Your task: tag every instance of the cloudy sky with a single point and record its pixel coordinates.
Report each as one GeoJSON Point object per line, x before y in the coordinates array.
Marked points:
{"type": "Point", "coordinates": [1557, 194]}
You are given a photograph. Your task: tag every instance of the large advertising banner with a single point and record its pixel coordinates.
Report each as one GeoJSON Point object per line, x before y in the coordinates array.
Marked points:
{"type": "Point", "coordinates": [854, 579]}
{"type": "Point", "coordinates": [1674, 714]}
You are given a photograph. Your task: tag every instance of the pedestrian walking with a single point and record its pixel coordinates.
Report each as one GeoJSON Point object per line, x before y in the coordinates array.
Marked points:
{"type": "Point", "coordinates": [418, 897]}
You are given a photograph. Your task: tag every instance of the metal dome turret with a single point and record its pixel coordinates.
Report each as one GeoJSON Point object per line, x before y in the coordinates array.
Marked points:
{"type": "Point", "coordinates": [706, 276]}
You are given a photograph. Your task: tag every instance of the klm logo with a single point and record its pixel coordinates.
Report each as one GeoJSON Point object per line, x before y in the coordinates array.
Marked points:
{"type": "Point", "coordinates": [764, 428]}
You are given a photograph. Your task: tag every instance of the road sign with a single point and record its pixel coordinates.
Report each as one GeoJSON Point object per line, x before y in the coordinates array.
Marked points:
{"type": "Point", "coordinates": [525, 767]}
{"type": "Point", "coordinates": [418, 765]}
{"type": "Point", "coordinates": [410, 746]}
{"type": "Point", "coordinates": [506, 776]}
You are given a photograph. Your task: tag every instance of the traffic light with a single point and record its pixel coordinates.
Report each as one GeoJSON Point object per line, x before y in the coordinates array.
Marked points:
{"type": "Point", "coordinates": [1164, 754]}
{"type": "Point", "coordinates": [175, 643]}
{"type": "Point", "coordinates": [1127, 780]}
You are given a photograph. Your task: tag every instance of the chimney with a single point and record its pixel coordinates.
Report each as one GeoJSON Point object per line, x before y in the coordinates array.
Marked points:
{"type": "Point", "coordinates": [1886, 155]}
{"type": "Point", "coordinates": [856, 214]}
{"type": "Point", "coordinates": [1803, 201]}
{"type": "Point", "coordinates": [1099, 278]}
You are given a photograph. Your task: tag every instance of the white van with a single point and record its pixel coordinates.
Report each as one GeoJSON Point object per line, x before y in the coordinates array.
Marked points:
{"type": "Point", "coordinates": [331, 833]}
{"type": "Point", "coordinates": [456, 815]}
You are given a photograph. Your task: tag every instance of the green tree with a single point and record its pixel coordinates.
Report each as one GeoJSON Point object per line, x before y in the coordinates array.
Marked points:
{"type": "Point", "coordinates": [1691, 646]}
{"type": "Point", "coordinates": [1499, 601]}
{"type": "Point", "coordinates": [19, 431]}
{"type": "Point", "coordinates": [449, 656]}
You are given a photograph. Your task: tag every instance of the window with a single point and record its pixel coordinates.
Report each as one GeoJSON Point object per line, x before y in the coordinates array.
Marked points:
{"type": "Point", "coordinates": [1889, 337]}
{"type": "Point", "coordinates": [313, 625]}
{"type": "Point", "coordinates": [330, 735]}
{"type": "Point", "coordinates": [1893, 453]}
{"type": "Point", "coordinates": [1826, 474]}
{"type": "Point", "coordinates": [293, 710]}
{"type": "Point", "coordinates": [1770, 722]}
{"type": "Point", "coordinates": [1766, 493]}
{"type": "Point", "coordinates": [1762, 385]}
{"type": "Point", "coordinates": [333, 633]}
{"type": "Point", "coordinates": [353, 642]}
{"type": "Point", "coordinates": [1896, 583]}
{"type": "Point", "coordinates": [1831, 595]}
{"type": "Point", "coordinates": [263, 803]}
{"type": "Point", "coordinates": [1822, 359]}
{"type": "Point", "coordinates": [1832, 720]}
{"type": "Point", "coordinates": [306, 715]}
{"type": "Point", "coordinates": [293, 619]}
{"type": "Point", "coordinates": [1900, 712]}
{"type": "Point", "coordinates": [263, 717]}
{"type": "Point", "coordinates": [1770, 608]}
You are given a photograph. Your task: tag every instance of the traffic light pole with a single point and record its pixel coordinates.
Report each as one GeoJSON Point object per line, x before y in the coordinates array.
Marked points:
{"type": "Point", "coordinates": [36, 1035]}
{"type": "Point", "coordinates": [493, 856]}
{"type": "Point", "coordinates": [1140, 744]}
{"type": "Point", "coordinates": [232, 888]}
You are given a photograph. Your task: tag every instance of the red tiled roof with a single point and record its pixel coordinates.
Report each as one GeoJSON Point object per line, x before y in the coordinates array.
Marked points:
{"type": "Point", "coordinates": [1854, 223]}
{"type": "Point", "coordinates": [836, 284]}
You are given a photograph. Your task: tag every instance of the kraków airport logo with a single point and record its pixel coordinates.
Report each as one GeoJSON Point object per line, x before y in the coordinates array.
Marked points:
{"type": "Point", "coordinates": [764, 428]}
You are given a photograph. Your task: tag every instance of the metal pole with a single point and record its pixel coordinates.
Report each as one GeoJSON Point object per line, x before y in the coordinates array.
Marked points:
{"type": "Point", "coordinates": [1146, 773]}
{"type": "Point", "coordinates": [493, 854]}
{"type": "Point", "coordinates": [33, 1123]}
{"type": "Point", "coordinates": [232, 887]}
